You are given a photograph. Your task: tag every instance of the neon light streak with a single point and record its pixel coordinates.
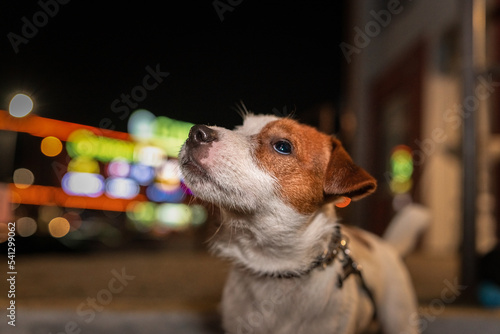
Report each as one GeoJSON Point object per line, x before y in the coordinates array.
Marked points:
{"type": "Point", "coordinates": [43, 127]}
{"type": "Point", "coordinates": [53, 196]}
{"type": "Point", "coordinates": [85, 143]}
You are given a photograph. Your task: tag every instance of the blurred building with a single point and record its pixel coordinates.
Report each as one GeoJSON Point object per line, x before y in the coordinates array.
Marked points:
{"type": "Point", "coordinates": [404, 88]}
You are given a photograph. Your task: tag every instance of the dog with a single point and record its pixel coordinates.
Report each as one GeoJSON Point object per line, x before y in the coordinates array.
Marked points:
{"type": "Point", "coordinates": [295, 268]}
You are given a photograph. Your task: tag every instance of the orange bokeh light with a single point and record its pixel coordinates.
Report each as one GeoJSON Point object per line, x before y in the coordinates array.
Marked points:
{"type": "Point", "coordinates": [51, 146]}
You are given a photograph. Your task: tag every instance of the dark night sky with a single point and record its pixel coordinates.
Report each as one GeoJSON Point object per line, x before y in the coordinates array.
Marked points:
{"type": "Point", "coordinates": [268, 54]}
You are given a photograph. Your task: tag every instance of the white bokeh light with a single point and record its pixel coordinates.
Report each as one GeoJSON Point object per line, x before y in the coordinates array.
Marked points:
{"type": "Point", "coordinates": [20, 105]}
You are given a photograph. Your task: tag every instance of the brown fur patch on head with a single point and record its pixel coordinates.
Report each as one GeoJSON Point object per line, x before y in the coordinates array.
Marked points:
{"type": "Point", "coordinates": [344, 177]}
{"type": "Point", "coordinates": [300, 173]}
{"type": "Point", "coordinates": [315, 171]}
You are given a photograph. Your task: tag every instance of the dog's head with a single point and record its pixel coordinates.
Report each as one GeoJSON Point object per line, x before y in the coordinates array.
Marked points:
{"type": "Point", "coordinates": [270, 160]}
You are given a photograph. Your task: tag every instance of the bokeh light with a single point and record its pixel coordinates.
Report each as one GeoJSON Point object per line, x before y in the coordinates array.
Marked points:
{"type": "Point", "coordinates": [118, 168]}
{"type": "Point", "coordinates": [170, 134]}
{"type": "Point", "coordinates": [143, 174]}
{"type": "Point", "coordinates": [168, 175]}
{"type": "Point", "coordinates": [51, 146]}
{"type": "Point", "coordinates": [59, 227]}
{"type": "Point", "coordinates": [85, 143]}
{"type": "Point", "coordinates": [23, 178]}
{"type": "Point", "coordinates": [157, 193]}
{"type": "Point", "coordinates": [121, 187]}
{"type": "Point", "coordinates": [401, 164]}
{"type": "Point", "coordinates": [20, 105]}
{"type": "Point", "coordinates": [84, 165]}
{"type": "Point", "coordinates": [83, 184]}
{"type": "Point", "coordinates": [143, 214]}
{"type": "Point", "coordinates": [149, 155]}
{"type": "Point", "coordinates": [26, 226]}
{"type": "Point", "coordinates": [140, 124]}
{"type": "Point", "coordinates": [174, 215]}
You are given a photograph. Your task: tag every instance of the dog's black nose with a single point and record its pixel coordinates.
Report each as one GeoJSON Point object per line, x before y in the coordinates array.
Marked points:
{"type": "Point", "coordinates": [202, 134]}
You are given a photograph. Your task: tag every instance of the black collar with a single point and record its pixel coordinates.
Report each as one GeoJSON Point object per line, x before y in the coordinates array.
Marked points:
{"type": "Point", "coordinates": [337, 248]}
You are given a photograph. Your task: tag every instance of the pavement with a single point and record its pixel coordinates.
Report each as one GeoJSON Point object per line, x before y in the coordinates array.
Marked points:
{"type": "Point", "coordinates": [177, 290]}
{"type": "Point", "coordinates": [64, 322]}
{"type": "Point", "coordinates": [140, 322]}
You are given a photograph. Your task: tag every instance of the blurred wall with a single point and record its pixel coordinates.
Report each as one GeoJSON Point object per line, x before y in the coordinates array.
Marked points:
{"type": "Point", "coordinates": [381, 33]}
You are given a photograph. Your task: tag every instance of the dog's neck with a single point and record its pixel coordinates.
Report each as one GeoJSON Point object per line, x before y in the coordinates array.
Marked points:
{"type": "Point", "coordinates": [275, 242]}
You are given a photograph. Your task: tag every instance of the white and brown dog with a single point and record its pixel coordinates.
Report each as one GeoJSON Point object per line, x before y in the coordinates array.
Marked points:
{"type": "Point", "coordinates": [296, 270]}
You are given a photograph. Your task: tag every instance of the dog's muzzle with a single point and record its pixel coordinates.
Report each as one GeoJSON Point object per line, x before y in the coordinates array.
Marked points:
{"type": "Point", "coordinates": [201, 135]}
{"type": "Point", "coordinates": [196, 148]}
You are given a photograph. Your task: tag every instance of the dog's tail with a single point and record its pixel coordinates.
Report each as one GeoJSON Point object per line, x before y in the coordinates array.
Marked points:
{"type": "Point", "coordinates": [406, 227]}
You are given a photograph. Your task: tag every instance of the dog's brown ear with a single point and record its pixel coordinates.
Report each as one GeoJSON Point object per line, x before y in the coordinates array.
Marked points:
{"type": "Point", "coordinates": [344, 178]}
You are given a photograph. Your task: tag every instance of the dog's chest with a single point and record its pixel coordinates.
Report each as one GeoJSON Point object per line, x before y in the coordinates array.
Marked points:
{"type": "Point", "coordinates": [253, 305]}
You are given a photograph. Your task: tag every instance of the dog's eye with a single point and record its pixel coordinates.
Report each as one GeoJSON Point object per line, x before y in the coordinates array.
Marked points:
{"type": "Point", "coordinates": [283, 147]}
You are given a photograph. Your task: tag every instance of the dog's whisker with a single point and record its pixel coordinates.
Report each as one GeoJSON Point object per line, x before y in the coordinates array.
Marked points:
{"type": "Point", "coordinates": [215, 233]}
{"type": "Point", "coordinates": [241, 109]}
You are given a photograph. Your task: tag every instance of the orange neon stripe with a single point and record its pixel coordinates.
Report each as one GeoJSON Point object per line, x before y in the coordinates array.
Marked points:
{"type": "Point", "coordinates": [50, 196]}
{"type": "Point", "coordinates": [43, 127]}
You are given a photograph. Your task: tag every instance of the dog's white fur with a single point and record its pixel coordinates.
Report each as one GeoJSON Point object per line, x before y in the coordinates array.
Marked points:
{"type": "Point", "coordinates": [262, 232]}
